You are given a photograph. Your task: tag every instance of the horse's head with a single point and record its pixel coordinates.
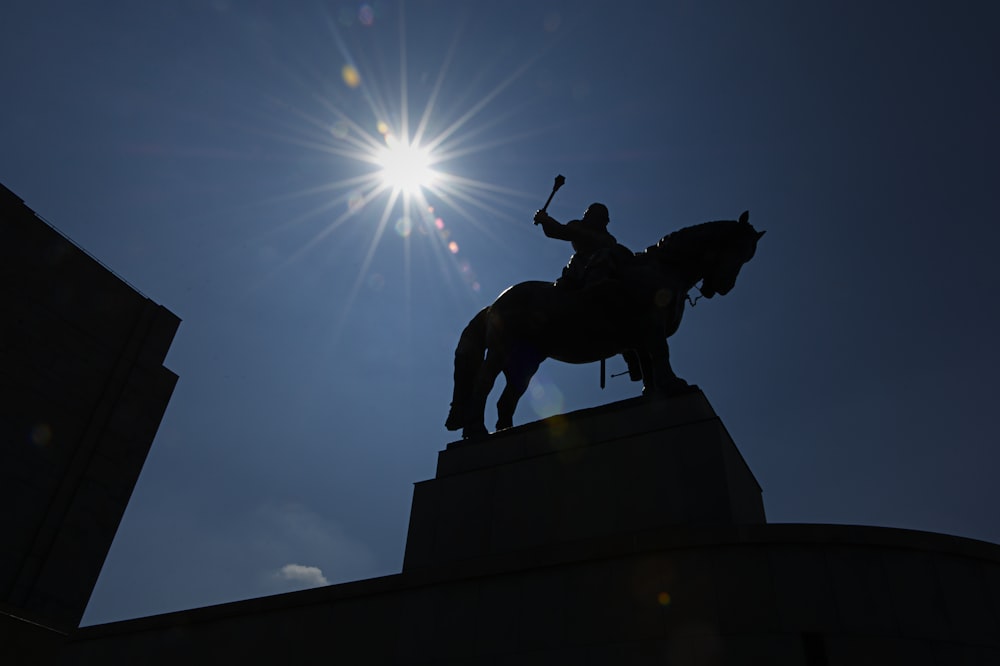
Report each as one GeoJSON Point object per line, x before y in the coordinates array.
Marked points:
{"type": "Point", "coordinates": [712, 252]}
{"type": "Point", "coordinates": [733, 245]}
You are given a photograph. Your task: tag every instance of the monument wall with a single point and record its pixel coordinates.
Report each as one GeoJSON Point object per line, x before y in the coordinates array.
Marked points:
{"type": "Point", "coordinates": [799, 595]}
{"type": "Point", "coordinates": [82, 389]}
{"type": "Point", "coordinates": [537, 546]}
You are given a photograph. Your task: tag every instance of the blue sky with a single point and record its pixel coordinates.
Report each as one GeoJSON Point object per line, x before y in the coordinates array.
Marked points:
{"type": "Point", "coordinates": [208, 153]}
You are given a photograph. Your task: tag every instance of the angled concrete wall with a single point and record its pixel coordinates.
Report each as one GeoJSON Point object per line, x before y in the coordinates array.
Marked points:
{"type": "Point", "coordinates": [82, 389]}
{"type": "Point", "coordinates": [796, 595]}
{"type": "Point", "coordinates": [578, 540]}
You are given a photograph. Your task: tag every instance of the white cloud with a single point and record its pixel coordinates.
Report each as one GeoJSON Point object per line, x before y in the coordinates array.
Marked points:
{"type": "Point", "coordinates": [290, 532]}
{"type": "Point", "coordinates": [298, 573]}
{"type": "Point", "coordinates": [294, 535]}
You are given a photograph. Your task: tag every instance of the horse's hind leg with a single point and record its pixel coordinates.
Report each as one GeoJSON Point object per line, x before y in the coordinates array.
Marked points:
{"type": "Point", "coordinates": [468, 359]}
{"type": "Point", "coordinates": [518, 374]}
{"type": "Point", "coordinates": [466, 370]}
{"type": "Point", "coordinates": [475, 414]}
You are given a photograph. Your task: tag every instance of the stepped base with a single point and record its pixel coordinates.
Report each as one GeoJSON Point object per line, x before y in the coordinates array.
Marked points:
{"type": "Point", "coordinates": [634, 465]}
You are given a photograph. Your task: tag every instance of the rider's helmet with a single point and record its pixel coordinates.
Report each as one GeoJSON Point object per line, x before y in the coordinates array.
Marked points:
{"type": "Point", "coordinates": [597, 213]}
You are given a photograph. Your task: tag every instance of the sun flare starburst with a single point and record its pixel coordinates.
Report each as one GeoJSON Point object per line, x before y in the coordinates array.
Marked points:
{"type": "Point", "coordinates": [391, 170]}
{"type": "Point", "coordinates": [406, 166]}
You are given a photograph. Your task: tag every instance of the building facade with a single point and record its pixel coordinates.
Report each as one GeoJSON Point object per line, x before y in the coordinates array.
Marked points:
{"type": "Point", "coordinates": [82, 393]}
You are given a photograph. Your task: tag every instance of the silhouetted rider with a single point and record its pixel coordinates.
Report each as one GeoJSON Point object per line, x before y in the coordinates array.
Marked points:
{"type": "Point", "coordinates": [597, 256]}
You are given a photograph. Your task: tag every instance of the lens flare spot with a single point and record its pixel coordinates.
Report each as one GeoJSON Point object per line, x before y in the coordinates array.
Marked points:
{"type": "Point", "coordinates": [663, 298]}
{"type": "Point", "coordinates": [663, 598]}
{"type": "Point", "coordinates": [366, 15]}
{"type": "Point", "coordinates": [404, 227]}
{"type": "Point", "coordinates": [351, 76]}
{"type": "Point", "coordinates": [453, 247]}
{"type": "Point", "coordinates": [340, 130]}
{"type": "Point", "coordinates": [546, 399]}
{"type": "Point", "coordinates": [41, 434]}
{"type": "Point", "coordinates": [355, 201]}
{"type": "Point", "coordinates": [382, 127]}
{"type": "Point", "coordinates": [558, 425]}
{"type": "Point", "coordinates": [439, 223]}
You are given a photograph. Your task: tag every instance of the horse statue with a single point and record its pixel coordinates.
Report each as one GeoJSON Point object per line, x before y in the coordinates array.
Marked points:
{"type": "Point", "coordinates": [637, 310]}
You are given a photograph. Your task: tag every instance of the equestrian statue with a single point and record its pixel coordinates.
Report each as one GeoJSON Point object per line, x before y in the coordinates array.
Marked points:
{"type": "Point", "coordinates": [608, 301]}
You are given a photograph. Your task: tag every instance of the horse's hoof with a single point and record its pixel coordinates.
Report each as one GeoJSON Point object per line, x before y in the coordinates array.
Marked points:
{"type": "Point", "coordinates": [474, 432]}
{"type": "Point", "coordinates": [669, 387]}
{"type": "Point", "coordinates": [676, 385]}
{"type": "Point", "coordinates": [454, 421]}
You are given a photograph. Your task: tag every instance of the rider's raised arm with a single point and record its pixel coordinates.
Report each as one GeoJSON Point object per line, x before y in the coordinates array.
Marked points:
{"type": "Point", "coordinates": [553, 228]}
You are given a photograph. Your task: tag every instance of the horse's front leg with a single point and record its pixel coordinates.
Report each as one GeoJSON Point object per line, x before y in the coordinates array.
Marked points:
{"type": "Point", "coordinates": [657, 375]}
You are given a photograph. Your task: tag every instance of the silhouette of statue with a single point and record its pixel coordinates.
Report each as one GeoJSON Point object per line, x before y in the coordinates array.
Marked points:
{"type": "Point", "coordinates": [597, 256]}
{"type": "Point", "coordinates": [597, 253]}
{"type": "Point", "coordinates": [638, 310]}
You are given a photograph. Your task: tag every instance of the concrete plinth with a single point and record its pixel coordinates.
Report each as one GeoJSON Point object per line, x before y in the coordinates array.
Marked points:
{"type": "Point", "coordinates": [616, 469]}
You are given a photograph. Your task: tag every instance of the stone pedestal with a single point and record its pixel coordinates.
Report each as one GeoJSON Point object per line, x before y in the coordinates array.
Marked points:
{"type": "Point", "coordinates": [617, 469]}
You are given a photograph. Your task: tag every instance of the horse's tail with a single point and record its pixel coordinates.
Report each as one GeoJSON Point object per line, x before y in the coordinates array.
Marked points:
{"type": "Point", "coordinates": [468, 359]}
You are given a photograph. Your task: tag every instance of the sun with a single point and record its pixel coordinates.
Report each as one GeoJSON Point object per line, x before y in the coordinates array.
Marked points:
{"type": "Point", "coordinates": [399, 163]}
{"type": "Point", "coordinates": [406, 167]}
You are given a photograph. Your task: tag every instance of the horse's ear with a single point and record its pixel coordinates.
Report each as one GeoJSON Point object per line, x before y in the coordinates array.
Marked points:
{"type": "Point", "coordinates": [745, 217]}
{"type": "Point", "coordinates": [760, 234]}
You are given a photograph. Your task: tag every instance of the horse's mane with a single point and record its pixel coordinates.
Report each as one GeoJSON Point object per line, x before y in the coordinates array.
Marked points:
{"type": "Point", "coordinates": [695, 236]}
